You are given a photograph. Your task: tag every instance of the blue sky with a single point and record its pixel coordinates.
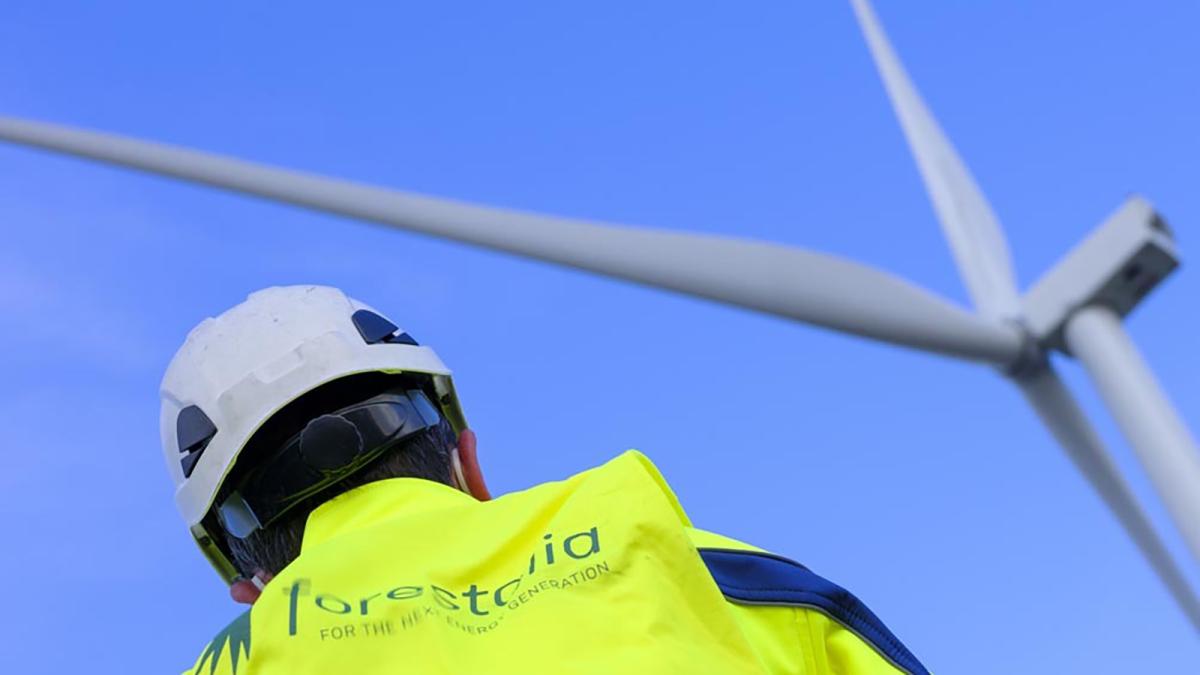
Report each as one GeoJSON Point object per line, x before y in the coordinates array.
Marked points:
{"type": "Point", "coordinates": [922, 484]}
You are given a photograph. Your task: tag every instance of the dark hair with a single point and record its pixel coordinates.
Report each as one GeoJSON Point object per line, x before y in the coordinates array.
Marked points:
{"type": "Point", "coordinates": [425, 455]}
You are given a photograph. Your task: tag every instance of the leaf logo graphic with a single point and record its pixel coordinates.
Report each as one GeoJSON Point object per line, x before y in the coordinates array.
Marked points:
{"type": "Point", "coordinates": [237, 636]}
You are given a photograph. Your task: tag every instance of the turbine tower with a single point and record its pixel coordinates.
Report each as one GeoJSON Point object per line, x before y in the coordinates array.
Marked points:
{"type": "Point", "coordinates": [1075, 309]}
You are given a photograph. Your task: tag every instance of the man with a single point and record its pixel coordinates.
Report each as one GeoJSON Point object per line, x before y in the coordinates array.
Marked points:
{"type": "Point", "coordinates": [324, 467]}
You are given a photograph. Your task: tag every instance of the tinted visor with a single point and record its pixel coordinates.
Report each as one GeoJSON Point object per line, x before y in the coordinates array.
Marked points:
{"type": "Point", "coordinates": [328, 449]}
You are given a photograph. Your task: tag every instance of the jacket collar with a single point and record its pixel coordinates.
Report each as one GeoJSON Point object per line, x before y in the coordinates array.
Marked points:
{"type": "Point", "coordinates": [370, 504]}
{"type": "Point", "coordinates": [382, 500]}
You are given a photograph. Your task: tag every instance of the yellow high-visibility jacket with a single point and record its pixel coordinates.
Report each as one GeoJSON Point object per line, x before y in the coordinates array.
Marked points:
{"type": "Point", "coordinates": [600, 573]}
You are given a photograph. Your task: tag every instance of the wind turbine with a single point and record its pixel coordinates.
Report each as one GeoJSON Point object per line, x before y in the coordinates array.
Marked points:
{"type": "Point", "coordinates": [1076, 308]}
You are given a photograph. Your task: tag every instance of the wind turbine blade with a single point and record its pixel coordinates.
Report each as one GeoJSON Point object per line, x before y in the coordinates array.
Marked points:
{"type": "Point", "coordinates": [802, 285]}
{"type": "Point", "coordinates": [968, 223]}
{"type": "Point", "coordinates": [1058, 410]}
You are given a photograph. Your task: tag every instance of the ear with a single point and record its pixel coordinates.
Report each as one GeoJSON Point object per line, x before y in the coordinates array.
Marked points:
{"type": "Point", "coordinates": [246, 591]}
{"type": "Point", "coordinates": [468, 460]}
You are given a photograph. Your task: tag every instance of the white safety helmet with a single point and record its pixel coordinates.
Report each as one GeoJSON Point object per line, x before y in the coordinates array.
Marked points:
{"type": "Point", "coordinates": [236, 370]}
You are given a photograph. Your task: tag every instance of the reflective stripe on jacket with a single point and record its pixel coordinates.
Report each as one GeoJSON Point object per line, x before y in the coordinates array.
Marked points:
{"type": "Point", "coordinates": [600, 573]}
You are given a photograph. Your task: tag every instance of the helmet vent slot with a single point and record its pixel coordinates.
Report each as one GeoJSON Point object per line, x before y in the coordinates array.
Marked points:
{"type": "Point", "coordinates": [193, 430]}
{"type": "Point", "coordinates": [375, 329]}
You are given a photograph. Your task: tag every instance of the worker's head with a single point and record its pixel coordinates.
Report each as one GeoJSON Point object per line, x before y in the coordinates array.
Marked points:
{"type": "Point", "coordinates": [289, 399]}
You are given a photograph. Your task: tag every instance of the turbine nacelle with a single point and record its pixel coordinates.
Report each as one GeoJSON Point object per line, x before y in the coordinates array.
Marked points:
{"type": "Point", "coordinates": [1117, 266]}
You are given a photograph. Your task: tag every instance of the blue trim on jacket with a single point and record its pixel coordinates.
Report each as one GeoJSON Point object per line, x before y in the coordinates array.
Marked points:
{"type": "Point", "coordinates": [751, 577]}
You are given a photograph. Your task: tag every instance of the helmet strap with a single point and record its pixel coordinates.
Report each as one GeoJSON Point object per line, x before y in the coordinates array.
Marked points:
{"type": "Point", "coordinates": [459, 478]}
